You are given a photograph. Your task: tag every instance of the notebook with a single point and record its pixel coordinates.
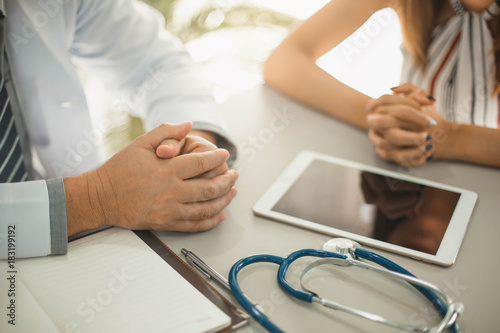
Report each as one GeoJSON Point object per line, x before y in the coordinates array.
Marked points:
{"type": "Point", "coordinates": [110, 281]}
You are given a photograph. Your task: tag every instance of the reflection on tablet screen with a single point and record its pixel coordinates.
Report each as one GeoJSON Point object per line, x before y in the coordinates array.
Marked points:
{"type": "Point", "coordinates": [380, 207]}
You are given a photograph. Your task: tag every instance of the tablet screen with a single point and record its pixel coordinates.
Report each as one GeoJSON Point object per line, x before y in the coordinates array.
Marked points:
{"type": "Point", "coordinates": [380, 207]}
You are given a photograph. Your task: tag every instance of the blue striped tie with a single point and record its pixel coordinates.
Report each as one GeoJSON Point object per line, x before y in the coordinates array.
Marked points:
{"type": "Point", "coordinates": [12, 167]}
{"type": "Point", "coordinates": [11, 157]}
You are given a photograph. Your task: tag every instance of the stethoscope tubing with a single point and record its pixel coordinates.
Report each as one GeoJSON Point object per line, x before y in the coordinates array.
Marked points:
{"type": "Point", "coordinates": [284, 264]}
{"type": "Point", "coordinates": [260, 317]}
{"type": "Point", "coordinates": [390, 265]}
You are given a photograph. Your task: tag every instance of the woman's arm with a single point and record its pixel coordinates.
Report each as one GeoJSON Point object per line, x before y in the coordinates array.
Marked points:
{"type": "Point", "coordinates": [464, 142]}
{"type": "Point", "coordinates": [292, 68]}
{"type": "Point", "coordinates": [450, 141]}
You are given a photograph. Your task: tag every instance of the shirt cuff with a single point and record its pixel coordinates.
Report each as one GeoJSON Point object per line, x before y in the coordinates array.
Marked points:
{"type": "Point", "coordinates": [58, 216]}
{"type": "Point", "coordinates": [24, 210]}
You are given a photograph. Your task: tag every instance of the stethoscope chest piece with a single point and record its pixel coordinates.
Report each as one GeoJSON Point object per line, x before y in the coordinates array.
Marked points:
{"type": "Point", "coordinates": [341, 246]}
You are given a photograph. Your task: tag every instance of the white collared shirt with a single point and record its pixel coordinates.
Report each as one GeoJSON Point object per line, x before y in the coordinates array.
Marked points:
{"type": "Point", "coordinates": [122, 42]}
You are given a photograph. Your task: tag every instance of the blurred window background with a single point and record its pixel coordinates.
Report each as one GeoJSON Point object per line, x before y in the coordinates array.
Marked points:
{"type": "Point", "coordinates": [231, 39]}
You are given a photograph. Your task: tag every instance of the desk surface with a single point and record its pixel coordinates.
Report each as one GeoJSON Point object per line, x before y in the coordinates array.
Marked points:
{"type": "Point", "coordinates": [270, 130]}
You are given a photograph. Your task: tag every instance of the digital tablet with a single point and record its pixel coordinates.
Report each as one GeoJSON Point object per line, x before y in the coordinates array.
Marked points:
{"type": "Point", "coordinates": [392, 211]}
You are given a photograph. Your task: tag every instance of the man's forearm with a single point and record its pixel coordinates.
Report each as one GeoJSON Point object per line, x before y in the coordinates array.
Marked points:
{"type": "Point", "coordinates": [82, 205]}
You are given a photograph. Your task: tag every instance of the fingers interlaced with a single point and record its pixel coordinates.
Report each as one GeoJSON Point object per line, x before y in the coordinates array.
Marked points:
{"type": "Point", "coordinates": [398, 136]}
{"type": "Point", "coordinates": [201, 189]}
{"type": "Point", "coordinates": [387, 100]}
{"type": "Point", "coordinates": [196, 144]}
{"type": "Point", "coordinates": [193, 165]}
{"type": "Point", "coordinates": [170, 148]}
{"type": "Point", "coordinates": [405, 148]}
{"type": "Point", "coordinates": [403, 116]}
{"type": "Point", "coordinates": [205, 209]}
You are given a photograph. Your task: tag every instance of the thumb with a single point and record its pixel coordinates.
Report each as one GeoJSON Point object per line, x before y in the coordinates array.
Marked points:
{"type": "Point", "coordinates": [170, 148]}
{"type": "Point", "coordinates": [164, 132]}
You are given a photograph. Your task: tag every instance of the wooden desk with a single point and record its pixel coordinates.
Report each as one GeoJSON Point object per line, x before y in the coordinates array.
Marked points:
{"type": "Point", "coordinates": [270, 131]}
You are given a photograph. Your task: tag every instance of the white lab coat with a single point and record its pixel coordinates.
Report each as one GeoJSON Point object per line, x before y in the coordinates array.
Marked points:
{"type": "Point", "coordinates": [123, 43]}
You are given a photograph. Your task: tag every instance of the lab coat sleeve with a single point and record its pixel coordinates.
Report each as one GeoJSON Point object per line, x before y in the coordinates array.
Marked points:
{"type": "Point", "coordinates": [32, 219]}
{"type": "Point", "coordinates": [125, 44]}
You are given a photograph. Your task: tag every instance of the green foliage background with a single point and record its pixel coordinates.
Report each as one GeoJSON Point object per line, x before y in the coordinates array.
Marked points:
{"type": "Point", "coordinates": [231, 14]}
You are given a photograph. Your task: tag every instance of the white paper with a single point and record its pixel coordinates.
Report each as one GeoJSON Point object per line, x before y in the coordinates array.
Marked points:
{"type": "Point", "coordinates": [113, 282]}
{"type": "Point", "coordinates": [29, 316]}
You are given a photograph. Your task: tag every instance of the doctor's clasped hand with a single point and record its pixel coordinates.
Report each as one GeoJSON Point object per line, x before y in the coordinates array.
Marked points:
{"type": "Point", "coordinates": [136, 189]}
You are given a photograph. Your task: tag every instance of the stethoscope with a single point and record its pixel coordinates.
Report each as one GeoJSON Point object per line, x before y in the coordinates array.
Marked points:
{"type": "Point", "coordinates": [344, 252]}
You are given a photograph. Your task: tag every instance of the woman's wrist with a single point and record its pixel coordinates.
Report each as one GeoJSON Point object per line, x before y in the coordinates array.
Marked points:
{"type": "Point", "coordinates": [444, 138]}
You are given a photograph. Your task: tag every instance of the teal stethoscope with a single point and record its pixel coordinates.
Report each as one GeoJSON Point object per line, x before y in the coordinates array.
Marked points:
{"type": "Point", "coordinates": [344, 252]}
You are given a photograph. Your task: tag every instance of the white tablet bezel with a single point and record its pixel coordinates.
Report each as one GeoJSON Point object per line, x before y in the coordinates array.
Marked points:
{"type": "Point", "coordinates": [450, 243]}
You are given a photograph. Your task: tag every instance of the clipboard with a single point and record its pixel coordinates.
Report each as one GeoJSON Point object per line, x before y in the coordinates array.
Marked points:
{"type": "Point", "coordinates": [238, 317]}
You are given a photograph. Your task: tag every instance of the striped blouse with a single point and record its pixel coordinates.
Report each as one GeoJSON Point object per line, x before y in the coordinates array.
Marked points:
{"type": "Point", "coordinates": [460, 72]}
